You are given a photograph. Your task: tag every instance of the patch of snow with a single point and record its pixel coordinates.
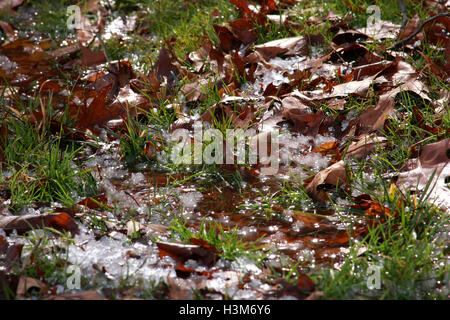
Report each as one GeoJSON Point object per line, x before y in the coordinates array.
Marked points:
{"type": "Point", "coordinates": [111, 253]}
{"type": "Point", "coordinates": [189, 200]}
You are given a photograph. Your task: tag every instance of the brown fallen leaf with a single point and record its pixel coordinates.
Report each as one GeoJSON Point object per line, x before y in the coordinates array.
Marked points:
{"type": "Point", "coordinates": [374, 118]}
{"type": "Point", "coordinates": [60, 221]}
{"type": "Point", "coordinates": [241, 29]}
{"type": "Point", "coordinates": [405, 78]}
{"type": "Point", "coordinates": [316, 295]}
{"type": "Point", "coordinates": [335, 174]}
{"type": "Point", "coordinates": [8, 30]}
{"type": "Point", "coordinates": [28, 283]}
{"type": "Point", "coordinates": [303, 122]}
{"type": "Point", "coordinates": [382, 30]}
{"type": "Point", "coordinates": [181, 252]}
{"type": "Point", "coordinates": [227, 40]}
{"type": "Point", "coordinates": [283, 47]}
{"type": "Point", "coordinates": [433, 160]}
{"type": "Point", "coordinates": [90, 6]}
{"type": "Point", "coordinates": [364, 145]}
{"type": "Point", "coordinates": [165, 67]}
{"type": "Point", "coordinates": [299, 290]}
{"type": "Point", "coordinates": [410, 27]}
{"type": "Point", "coordinates": [329, 148]}
{"type": "Point", "coordinates": [95, 202]}
{"type": "Point", "coordinates": [177, 291]}
{"type": "Point", "coordinates": [435, 153]}
{"type": "Point", "coordinates": [97, 112]}
{"type": "Point", "coordinates": [8, 5]}
{"type": "Point", "coordinates": [195, 91]}
{"type": "Point", "coordinates": [304, 283]}
{"type": "Point", "coordinates": [84, 295]}
{"type": "Point", "coordinates": [89, 57]}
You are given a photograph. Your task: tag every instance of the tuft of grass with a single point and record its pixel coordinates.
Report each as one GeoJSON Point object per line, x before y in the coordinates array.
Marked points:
{"type": "Point", "coordinates": [227, 242]}
{"type": "Point", "coordinates": [42, 169]}
{"type": "Point", "coordinates": [406, 252]}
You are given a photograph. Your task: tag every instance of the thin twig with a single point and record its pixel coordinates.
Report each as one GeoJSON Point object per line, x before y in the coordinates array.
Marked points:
{"type": "Point", "coordinates": [403, 41]}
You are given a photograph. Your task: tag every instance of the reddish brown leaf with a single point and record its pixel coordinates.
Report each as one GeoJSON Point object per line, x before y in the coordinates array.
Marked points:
{"type": "Point", "coordinates": [304, 283]}
{"type": "Point", "coordinates": [377, 210]}
{"type": "Point", "coordinates": [95, 202]}
{"type": "Point", "coordinates": [227, 41]}
{"type": "Point", "coordinates": [329, 148]}
{"type": "Point", "coordinates": [97, 113]}
{"type": "Point", "coordinates": [374, 118]}
{"type": "Point", "coordinates": [59, 221]}
{"type": "Point", "coordinates": [241, 29]}
{"type": "Point", "coordinates": [62, 221]}
{"type": "Point", "coordinates": [183, 252]}
{"type": "Point", "coordinates": [89, 58]}
{"type": "Point", "coordinates": [165, 66]}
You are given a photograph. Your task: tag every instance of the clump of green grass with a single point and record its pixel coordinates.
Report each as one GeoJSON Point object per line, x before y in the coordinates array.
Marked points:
{"type": "Point", "coordinates": [42, 169]}
{"type": "Point", "coordinates": [228, 243]}
{"type": "Point", "coordinates": [405, 251]}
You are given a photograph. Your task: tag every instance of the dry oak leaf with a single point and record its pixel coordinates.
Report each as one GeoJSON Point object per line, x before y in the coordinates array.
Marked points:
{"type": "Point", "coordinates": [434, 160]}
{"type": "Point", "coordinates": [59, 221]}
{"type": "Point", "coordinates": [399, 73]}
{"type": "Point", "coordinates": [365, 144]}
{"type": "Point", "coordinates": [284, 47]}
{"type": "Point", "coordinates": [27, 283]}
{"type": "Point", "coordinates": [84, 295]}
{"type": "Point", "coordinates": [335, 174]}
{"type": "Point", "coordinates": [181, 252]}
{"type": "Point", "coordinates": [8, 30]}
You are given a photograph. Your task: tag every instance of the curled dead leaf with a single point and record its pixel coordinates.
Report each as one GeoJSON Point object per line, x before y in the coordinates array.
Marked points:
{"type": "Point", "coordinates": [430, 173]}
{"type": "Point", "coordinates": [284, 47]}
{"type": "Point", "coordinates": [335, 174]}
{"type": "Point", "coordinates": [28, 283]}
{"type": "Point", "coordinates": [60, 221]}
{"type": "Point", "coordinates": [183, 252]}
{"type": "Point", "coordinates": [364, 145]}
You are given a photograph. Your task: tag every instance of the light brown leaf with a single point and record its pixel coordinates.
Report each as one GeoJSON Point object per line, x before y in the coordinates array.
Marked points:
{"type": "Point", "coordinates": [335, 174]}
{"type": "Point", "coordinates": [8, 30]}
{"type": "Point", "coordinates": [364, 145]}
{"type": "Point", "coordinates": [84, 295]}
{"type": "Point", "coordinates": [284, 47]}
{"type": "Point", "coordinates": [27, 283]}
{"type": "Point", "coordinates": [10, 4]}
{"type": "Point", "coordinates": [434, 159]}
